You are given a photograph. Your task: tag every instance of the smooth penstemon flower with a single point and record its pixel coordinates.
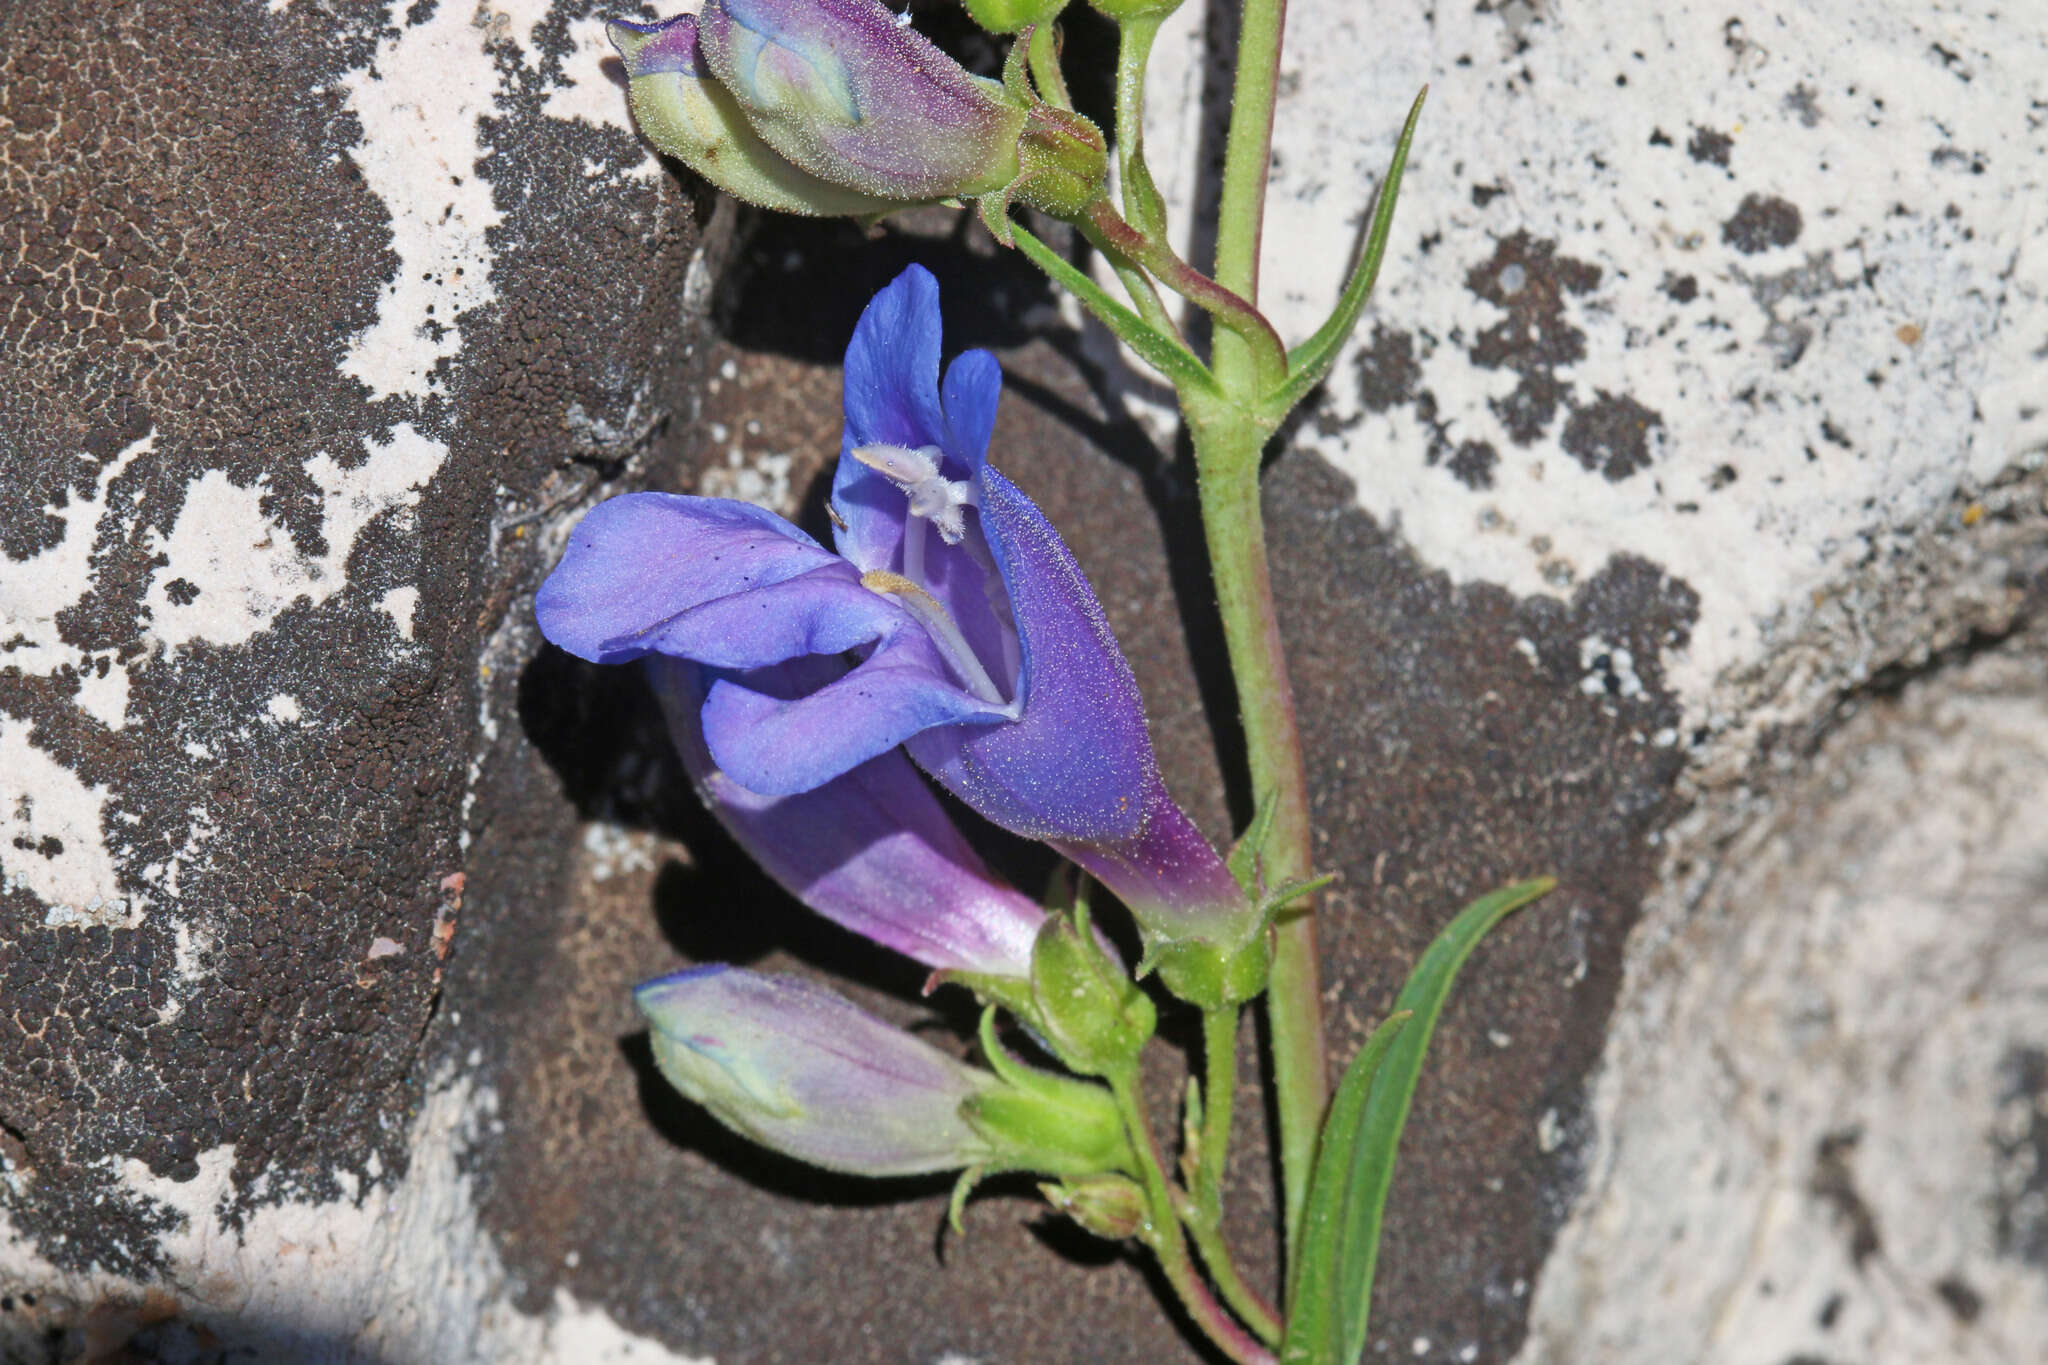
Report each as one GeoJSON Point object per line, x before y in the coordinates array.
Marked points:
{"type": "Point", "coordinates": [975, 641]}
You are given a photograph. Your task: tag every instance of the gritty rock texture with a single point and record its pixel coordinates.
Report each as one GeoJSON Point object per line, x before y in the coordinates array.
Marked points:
{"type": "Point", "coordinates": [305, 311]}
{"type": "Point", "coordinates": [1674, 524]}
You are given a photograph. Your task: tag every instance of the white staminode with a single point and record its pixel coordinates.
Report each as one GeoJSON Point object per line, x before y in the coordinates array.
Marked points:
{"type": "Point", "coordinates": [933, 497]}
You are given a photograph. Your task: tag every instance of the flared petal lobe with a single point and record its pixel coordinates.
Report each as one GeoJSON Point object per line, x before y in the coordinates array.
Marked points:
{"type": "Point", "coordinates": [872, 850]}
{"type": "Point", "coordinates": [801, 1070]}
{"type": "Point", "coordinates": [735, 587]}
{"type": "Point", "coordinates": [851, 95]}
{"type": "Point", "coordinates": [680, 107]}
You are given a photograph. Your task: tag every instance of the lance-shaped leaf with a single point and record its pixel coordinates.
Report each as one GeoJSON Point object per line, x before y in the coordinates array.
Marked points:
{"type": "Point", "coordinates": [798, 1069]}
{"type": "Point", "coordinates": [1330, 1301]}
{"type": "Point", "coordinates": [680, 107]}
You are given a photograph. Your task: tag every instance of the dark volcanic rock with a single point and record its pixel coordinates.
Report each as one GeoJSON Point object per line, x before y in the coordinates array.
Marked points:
{"type": "Point", "coordinates": [268, 432]}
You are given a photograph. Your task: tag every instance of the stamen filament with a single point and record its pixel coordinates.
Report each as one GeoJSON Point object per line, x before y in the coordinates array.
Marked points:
{"type": "Point", "coordinates": [932, 615]}
{"type": "Point", "coordinates": [913, 549]}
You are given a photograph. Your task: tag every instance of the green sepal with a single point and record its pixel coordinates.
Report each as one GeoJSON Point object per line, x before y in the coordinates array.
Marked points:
{"type": "Point", "coordinates": [962, 1188]}
{"type": "Point", "coordinates": [1330, 1301]}
{"type": "Point", "coordinates": [1310, 361]}
{"type": "Point", "coordinates": [1063, 162]}
{"type": "Point", "coordinates": [1092, 1015]}
{"type": "Point", "coordinates": [1213, 978]}
{"type": "Point", "coordinates": [1288, 892]}
{"type": "Point", "coordinates": [1249, 851]}
{"type": "Point", "coordinates": [1191, 1132]}
{"type": "Point", "coordinates": [1013, 993]}
{"type": "Point", "coordinates": [1038, 1121]}
{"type": "Point", "coordinates": [1121, 10]}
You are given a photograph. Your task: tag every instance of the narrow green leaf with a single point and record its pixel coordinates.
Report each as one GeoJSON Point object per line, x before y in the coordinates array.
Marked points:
{"type": "Point", "coordinates": [1161, 352]}
{"type": "Point", "coordinates": [1313, 1299]}
{"type": "Point", "coordinates": [1310, 361]}
{"type": "Point", "coordinates": [1393, 1090]}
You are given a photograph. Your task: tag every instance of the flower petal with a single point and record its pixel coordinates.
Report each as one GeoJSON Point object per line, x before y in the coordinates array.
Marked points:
{"type": "Point", "coordinates": [636, 562]}
{"type": "Point", "coordinates": [974, 383]}
{"type": "Point", "coordinates": [872, 850]}
{"type": "Point", "coordinates": [799, 1069]}
{"type": "Point", "coordinates": [891, 398]}
{"type": "Point", "coordinates": [780, 746]}
{"type": "Point", "coordinates": [1076, 768]}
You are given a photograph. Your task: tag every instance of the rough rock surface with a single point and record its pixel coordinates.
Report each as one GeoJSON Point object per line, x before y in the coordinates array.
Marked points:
{"type": "Point", "coordinates": [1675, 524]}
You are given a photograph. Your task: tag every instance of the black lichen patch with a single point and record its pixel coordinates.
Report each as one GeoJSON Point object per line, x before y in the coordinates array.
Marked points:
{"type": "Point", "coordinates": [1530, 281]}
{"type": "Point", "coordinates": [1833, 1182]}
{"type": "Point", "coordinates": [2019, 1147]}
{"type": "Point", "coordinates": [1612, 436]}
{"type": "Point", "coordinates": [196, 251]}
{"type": "Point", "coordinates": [1482, 195]}
{"type": "Point", "coordinates": [1760, 223]}
{"type": "Point", "coordinates": [1472, 464]}
{"type": "Point", "coordinates": [1709, 148]}
{"type": "Point", "coordinates": [1388, 373]}
{"type": "Point", "coordinates": [1680, 288]}
{"type": "Point", "coordinates": [1962, 1298]}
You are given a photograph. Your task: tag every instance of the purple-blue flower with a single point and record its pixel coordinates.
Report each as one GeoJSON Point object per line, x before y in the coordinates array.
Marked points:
{"type": "Point", "coordinates": [970, 634]}
{"type": "Point", "coordinates": [872, 850]}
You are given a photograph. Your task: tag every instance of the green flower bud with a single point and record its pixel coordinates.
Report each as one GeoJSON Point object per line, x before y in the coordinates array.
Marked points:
{"type": "Point", "coordinates": [1121, 10]}
{"type": "Point", "coordinates": [1094, 1016]}
{"type": "Point", "coordinates": [1013, 16]}
{"type": "Point", "coordinates": [1111, 1206]}
{"type": "Point", "coordinates": [1210, 977]}
{"type": "Point", "coordinates": [1063, 162]}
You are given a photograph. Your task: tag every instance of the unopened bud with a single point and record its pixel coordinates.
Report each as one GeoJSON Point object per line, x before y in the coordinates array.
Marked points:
{"type": "Point", "coordinates": [1110, 1206]}
{"type": "Point", "coordinates": [1063, 162]}
{"type": "Point", "coordinates": [1013, 16]}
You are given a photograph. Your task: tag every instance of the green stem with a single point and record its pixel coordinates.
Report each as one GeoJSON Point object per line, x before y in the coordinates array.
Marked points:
{"type": "Point", "coordinates": [1264, 353]}
{"type": "Point", "coordinates": [1142, 202]}
{"type": "Point", "coordinates": [1162, 1233]}
{"type": "Point", "coordinates": [1045, 67]}
{"type": "Point", "coordinates": [1228, 442]}
{"type": "Point", "coordinates": [1248, 151]}
{"type": "Point", "coordinates": [1205, 1216]}
{"type": "Point", "coordinates": [1144, 294]}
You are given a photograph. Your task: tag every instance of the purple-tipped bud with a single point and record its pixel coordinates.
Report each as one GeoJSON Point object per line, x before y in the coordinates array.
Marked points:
{"type": "Point", "coordinates": [798, 1069]}
{"type": "Point", "coordinates": [686, 114]}
{"type": "Point", "coordinates": [847, 92]}
{"type": "Point", "coordinates": [872, 850]}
